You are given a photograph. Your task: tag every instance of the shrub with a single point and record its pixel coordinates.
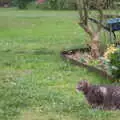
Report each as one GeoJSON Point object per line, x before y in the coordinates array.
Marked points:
{"type": "Point", "coordinates": [115, 63]}
{"type": "Point", "coordinates": [21, 4]}
{"type": "Point", "coordinates": [52, 5]}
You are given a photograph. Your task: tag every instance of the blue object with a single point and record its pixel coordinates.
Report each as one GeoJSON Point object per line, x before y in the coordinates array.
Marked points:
{"type": "Point", "coordinates": [113, 24]}
{"type": "Point", "coordinates": [110, 25]}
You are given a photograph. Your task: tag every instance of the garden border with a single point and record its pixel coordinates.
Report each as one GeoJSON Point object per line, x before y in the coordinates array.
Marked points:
{"type": "Point", "coordinates": [90, 68]}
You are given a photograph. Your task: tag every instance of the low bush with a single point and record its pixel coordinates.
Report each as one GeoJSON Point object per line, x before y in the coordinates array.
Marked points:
{"type": "Point", "coordinates": [21, 4]}
{"type": "Point", "coordinates": [115, 63]}
{"type": "Point", "coordinates": [52, 5]}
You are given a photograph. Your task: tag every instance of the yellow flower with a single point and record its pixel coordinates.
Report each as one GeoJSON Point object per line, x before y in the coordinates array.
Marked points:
{"type": "Point", "coordinates": [110, 50]}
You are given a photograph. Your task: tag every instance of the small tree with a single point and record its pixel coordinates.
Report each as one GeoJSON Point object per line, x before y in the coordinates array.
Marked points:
{"type": "Point", "coordinates": [83, 7]}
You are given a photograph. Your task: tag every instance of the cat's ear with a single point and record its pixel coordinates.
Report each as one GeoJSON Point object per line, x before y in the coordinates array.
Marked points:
{"type": "Point", "coordinates": [87, 83]}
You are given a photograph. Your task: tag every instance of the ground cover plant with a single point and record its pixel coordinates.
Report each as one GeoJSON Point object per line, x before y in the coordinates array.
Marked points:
{"type": "Point", "coordinates": [35, 83]}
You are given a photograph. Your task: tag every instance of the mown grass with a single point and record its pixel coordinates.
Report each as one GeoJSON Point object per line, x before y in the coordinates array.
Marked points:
{"type": "Point", "coordinates": [35, 83]}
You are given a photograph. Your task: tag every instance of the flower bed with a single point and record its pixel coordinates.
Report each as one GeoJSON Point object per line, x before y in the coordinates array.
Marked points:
{"type": "Point", "coordinates": [82, 57]}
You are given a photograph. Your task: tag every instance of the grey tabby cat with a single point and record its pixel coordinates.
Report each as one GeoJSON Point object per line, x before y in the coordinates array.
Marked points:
{"type": "Point", "coordinates": [100, 96]}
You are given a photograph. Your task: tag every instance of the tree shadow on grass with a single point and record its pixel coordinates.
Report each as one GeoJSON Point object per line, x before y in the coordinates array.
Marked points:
{"type": "Point", "coordinates": [41, 51]}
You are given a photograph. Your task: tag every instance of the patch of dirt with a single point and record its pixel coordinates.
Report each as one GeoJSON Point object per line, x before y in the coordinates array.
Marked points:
{"type": "Point", "coordinates": [82, 57]}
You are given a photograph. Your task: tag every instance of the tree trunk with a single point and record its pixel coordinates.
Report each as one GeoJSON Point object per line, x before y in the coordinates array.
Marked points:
{"type": "Point", "coordinates": [95, 45]}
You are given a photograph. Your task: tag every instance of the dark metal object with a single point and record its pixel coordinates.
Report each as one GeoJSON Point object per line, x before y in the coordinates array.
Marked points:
{"type": "Point", "coordinates": [112, 25]}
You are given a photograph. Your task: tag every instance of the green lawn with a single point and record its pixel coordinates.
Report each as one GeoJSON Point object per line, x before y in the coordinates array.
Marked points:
{"type": "Point", "coordinates": [35, 83]}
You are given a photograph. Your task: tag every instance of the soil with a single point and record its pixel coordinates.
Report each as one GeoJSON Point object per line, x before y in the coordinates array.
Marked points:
{"type": "Point", "coordinates": [78, 55]}
{"type": "Point", "coordinates": [86, 60]}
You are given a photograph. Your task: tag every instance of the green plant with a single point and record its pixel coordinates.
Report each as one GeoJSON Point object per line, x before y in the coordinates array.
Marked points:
{"type": "Point", "coordinates": [21, 4]}
{"type": "Point", "coordinates": [56, 4]}
{"type": "Point", "coordinates": [94, 62]}
{"type": "Point", "coordinates": [115, 62]}
{"type": "Point", "coordinates": [53, 4]}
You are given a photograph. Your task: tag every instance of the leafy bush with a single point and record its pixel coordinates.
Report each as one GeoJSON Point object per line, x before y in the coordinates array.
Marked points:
{"type": "Point", "coordinates": [52, 4]}
{"type": "Point", "coordinates": [35, 5]}
{"type": "Point", "coordinates": [115, 62]}
{"type": "Point", "coordinates": [56, 4]}
{"type": "Point", "coordinates": [21, 4]}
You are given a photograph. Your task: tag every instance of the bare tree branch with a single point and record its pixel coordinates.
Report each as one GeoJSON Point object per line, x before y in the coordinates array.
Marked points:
{"type": "Point", "coordinates": [99, 26]}
{"type": "Point", "coordinates": [80, 7]}
{"type": "Point", "coordinates": [83, 13]}
{"type": "Point", "coordinates": [85, 4]}
{"type": "Point", "coordinates": [83, 7]}
{"type": "Point", "coordinates": [87, 29]}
